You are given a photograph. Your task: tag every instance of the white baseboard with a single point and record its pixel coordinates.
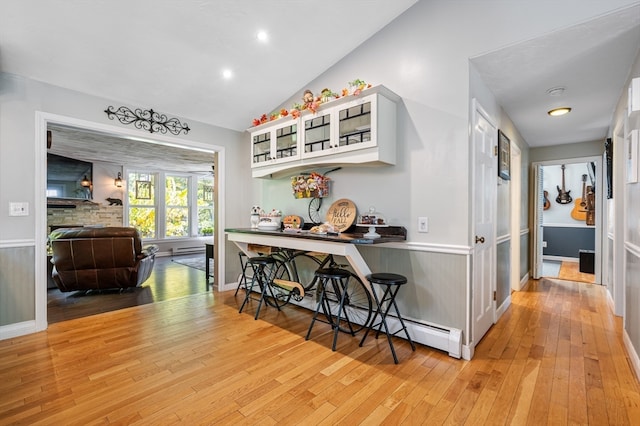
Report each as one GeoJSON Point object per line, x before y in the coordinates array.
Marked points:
{"type": "Point", "coordinates": [561, 258]}
{"type": "Point", "coordinates": [503, 307]}
{"type": "Point", "coordinates": [17, 329]}
{"type": "Point", "coordinates": [633, 355]}
{"type": "Point", "coordinates": [524, 281]}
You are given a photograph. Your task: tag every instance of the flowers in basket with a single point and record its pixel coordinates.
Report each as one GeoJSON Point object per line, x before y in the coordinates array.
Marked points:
{"type": "Point", "coordinates": [307, 186]}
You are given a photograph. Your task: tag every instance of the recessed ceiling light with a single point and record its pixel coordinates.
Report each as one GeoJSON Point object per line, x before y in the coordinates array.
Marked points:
{"type": "Point", "coordinates": [559, 111]}
{"type": "Point", "coordinates": [262, 36]}
{"type": "Point", "coordinates": [227, 74]}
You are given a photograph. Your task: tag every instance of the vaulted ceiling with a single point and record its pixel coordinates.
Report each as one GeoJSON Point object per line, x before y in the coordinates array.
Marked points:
{"type": "Point", "coordinates": [169, 55]}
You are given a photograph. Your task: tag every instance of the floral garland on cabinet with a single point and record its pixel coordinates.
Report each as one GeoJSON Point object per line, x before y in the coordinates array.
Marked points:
{"type": "Point", "coordinates": [311, 103]}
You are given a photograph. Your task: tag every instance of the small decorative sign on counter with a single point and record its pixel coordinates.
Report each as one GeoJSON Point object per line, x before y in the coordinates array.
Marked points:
{"type": "Point", "coordinates": [342, 214]}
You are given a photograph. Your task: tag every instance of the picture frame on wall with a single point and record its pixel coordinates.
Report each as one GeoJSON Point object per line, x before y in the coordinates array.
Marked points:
{"type": "Point", "coordinates": [504, 156]}
{"type": "Point", "coordinates": [608, 155]}
{"type": "Point", "coordinates": [143, 190]}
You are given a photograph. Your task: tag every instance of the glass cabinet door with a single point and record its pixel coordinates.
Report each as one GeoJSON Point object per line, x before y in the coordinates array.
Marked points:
{"type": "Point", "coordinates": [287, 141]}
{"type": "Point", "coordinates": [261, 147]}
{"type": "Point", "coordinates": [316, 134]}
{"type": "Point", "coordinates": [355, 124]}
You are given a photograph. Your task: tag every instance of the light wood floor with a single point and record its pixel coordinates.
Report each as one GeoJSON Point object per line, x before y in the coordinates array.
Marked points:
{"type": "Point", "coordinates": [555, 357]}
{"type": "Point", "coordinates": [571, 271]}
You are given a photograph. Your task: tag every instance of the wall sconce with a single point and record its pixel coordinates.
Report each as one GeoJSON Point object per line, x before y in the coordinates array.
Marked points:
{"type": "Point", "coordinates": [118, 181]}
{"type": "Point", "coordinates": [85, 182]}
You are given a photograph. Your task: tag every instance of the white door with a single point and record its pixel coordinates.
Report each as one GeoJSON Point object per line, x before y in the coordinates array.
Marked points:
{"type": "Point", "coordinates": [485, 177]}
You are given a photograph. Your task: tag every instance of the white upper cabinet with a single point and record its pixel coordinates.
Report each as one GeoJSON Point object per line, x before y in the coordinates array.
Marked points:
{"type": "Point", "coordinates": [275, 144]}
{"type": "Point", "coordinates": [357, 129]}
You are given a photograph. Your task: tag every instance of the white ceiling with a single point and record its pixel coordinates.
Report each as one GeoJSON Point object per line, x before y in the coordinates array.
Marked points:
{"type": "Point", "coordinates": [168, 55]}
{"type": "Point", "coordinates": [591, 61]}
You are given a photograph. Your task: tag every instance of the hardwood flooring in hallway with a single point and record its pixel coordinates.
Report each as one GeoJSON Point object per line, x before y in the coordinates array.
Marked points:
{"type": "Point", "coordinates": [555, 357]}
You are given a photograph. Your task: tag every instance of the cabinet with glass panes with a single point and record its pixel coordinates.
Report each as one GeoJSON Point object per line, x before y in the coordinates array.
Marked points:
{"type": "Point", "coordinates": [355, 129]}
{"type": "Point", "coordinates": [275, 143]}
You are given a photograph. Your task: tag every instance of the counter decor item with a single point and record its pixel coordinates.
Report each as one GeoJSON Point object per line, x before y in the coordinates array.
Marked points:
{"type": "Point", "coordinates": [372, 220]}
{"type": "Point", "coordinates": [313, 185]}
{"type": "Point", "coordinates": [292, 223]}
{"type": "Point", "coordinates": [270, 220]}
{"type": "Point", "coordinates": [255, 216]}
{"type": "Point", "coordinates": [342, 214]}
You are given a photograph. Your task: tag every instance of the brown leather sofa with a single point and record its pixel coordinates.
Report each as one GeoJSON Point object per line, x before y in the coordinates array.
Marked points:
{"type": "Point", "coordinates": [99, 258]}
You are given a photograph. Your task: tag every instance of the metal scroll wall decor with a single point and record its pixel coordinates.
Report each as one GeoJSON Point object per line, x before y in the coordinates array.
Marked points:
{"type": "Point", "coordinates": [148, 119]}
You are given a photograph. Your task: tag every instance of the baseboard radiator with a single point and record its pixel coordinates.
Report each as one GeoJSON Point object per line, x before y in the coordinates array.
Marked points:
{"type": "Point", "coordinates": [445, 339]}
{"type": "Point", "coordinates": [186, 250]}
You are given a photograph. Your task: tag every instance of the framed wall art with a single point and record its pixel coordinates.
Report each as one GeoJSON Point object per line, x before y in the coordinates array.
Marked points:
{"type": "Point", "coordinates": [143, 190]}
{"type": "Point", "coordinates": [504, 156]}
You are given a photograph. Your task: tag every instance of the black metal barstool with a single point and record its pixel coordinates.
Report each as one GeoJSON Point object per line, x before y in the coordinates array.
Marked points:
{"type": "Point", "coordinates": [391, 284]}
{"type": "Point", "coordinates": [242, 279]}
{"type": "Point", "coordinates": [338, 280]}
{"type": "Point", "coordinates": [263, 272]}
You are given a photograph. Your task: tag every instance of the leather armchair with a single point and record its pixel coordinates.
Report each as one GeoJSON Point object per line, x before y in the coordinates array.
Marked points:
{"type": "Point", "coordinates": [99, 258]}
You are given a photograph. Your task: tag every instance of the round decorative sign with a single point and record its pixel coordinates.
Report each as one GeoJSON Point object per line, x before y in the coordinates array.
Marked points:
{"type": "Point", "coordinates": [342, 214]}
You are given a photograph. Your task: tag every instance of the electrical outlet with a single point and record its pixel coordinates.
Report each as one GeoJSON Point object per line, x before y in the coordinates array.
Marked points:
{"type": "Point", "coordinates": [423, 224]}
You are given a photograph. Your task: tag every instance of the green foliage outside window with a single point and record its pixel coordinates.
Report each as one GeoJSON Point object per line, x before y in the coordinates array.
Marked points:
{"type": "Point", "coordinates": [142, 212]}
{"type": "Point", "coordinates": [177, 201]}
{"type": "Point", "coordinates": [205, 206]}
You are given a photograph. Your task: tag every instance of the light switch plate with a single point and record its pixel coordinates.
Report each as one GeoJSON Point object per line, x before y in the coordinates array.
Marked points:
{"type": "Point", "coordinates": [18, 209]}
{"type": "Point", "coordinates": [423, 224]}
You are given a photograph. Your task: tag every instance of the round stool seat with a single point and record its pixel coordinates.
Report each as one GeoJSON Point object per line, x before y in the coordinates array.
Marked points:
{"type": "Point", "coordinates": [332, 273]}
{"type": "Point", "coordinates": [261, 260]}
{"type": "Point", "coordinates": [386, 278]}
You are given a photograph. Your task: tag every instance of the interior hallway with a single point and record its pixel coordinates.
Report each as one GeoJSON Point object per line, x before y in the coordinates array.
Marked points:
{"type": "Point", "coordinates": [556, 356]}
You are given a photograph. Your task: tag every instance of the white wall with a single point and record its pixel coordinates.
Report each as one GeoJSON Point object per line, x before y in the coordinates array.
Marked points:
{"type": "Point", "coordinates": [625, 208]}
{"type": "Point", "coordinates": [20, 100]}
{"type": "Point", "coordinates": [423, 56]}
{"type": "Point", "coordinates": [561, 213]}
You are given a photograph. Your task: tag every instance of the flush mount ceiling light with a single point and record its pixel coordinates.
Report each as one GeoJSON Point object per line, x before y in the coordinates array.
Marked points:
{"type": "Point", "coordinates": [559, 111]}
{"type": "Point", "coordinates": [556, 91]}
{"type": "Point", "coordinates": [227, 74]}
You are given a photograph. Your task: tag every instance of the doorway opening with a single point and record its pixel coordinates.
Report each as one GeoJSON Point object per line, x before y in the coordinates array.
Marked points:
{"type": "Point", "coordinates": [567, 243]}
{"type": "Point", "coordinates": [156, 142]}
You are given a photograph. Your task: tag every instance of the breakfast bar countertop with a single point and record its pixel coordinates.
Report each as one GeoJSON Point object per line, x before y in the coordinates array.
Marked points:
{"type": "Point", "coordinates": [390, 234]}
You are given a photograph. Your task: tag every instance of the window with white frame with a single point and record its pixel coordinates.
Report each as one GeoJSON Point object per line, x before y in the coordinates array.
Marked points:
{"type": "Point", "coordinates": [187, 211]}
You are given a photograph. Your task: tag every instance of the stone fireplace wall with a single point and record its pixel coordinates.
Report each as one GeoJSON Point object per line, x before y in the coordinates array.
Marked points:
{"type": "Point", "coordinates": [85, 215]}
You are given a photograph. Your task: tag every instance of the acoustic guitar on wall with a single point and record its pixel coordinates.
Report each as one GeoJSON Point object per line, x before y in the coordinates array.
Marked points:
{"type": "Point", "coordinates": [579, 211]}
{"type": "Point", "coordinates": [546, 203]}
{"type": "Point", "coordinates": [564, 196]}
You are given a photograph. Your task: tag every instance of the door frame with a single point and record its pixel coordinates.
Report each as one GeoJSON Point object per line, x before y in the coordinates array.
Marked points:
{"type": "Point", "coordinates": [516, 210]}
{"type": "Point", "coordinates": [536, 249]}
{"type": "Point", "coordinates": [43, 119]}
